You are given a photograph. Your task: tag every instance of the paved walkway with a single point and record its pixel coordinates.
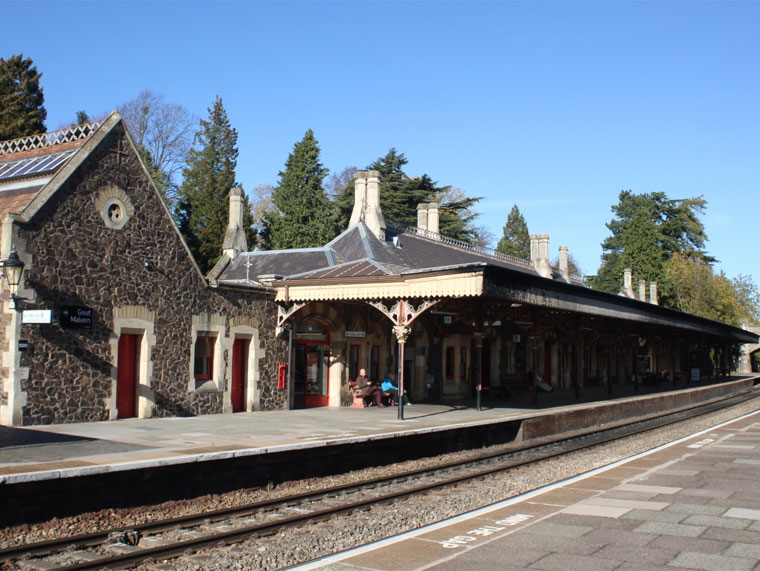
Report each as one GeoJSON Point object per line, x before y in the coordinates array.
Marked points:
{"type": "Point", "coordinates": [68, 450]}
{"type": "Point", "coordinates": [693, 505]}
{"type": "Point", "coordinates": [72, 449]}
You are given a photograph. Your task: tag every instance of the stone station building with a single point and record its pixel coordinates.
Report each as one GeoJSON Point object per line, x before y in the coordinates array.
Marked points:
{"type": "Point", "coordinates": [453, 322]}
{"type": "Point", "coordinates": [113, 317]}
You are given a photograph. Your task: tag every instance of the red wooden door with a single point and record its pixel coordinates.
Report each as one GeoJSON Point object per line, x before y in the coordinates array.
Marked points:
{"type": "Point", "coordinates": [310, 380]}
{"type": "Point", "coordinates": [126, 381]}
{"type": "Point", "coordinates": [239, 368]}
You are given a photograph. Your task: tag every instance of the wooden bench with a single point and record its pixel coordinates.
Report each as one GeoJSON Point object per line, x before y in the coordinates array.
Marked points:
{"type": "Point", "coordinates": [515, 385]}
{"type": "Point", "coordinates": [357, 398]}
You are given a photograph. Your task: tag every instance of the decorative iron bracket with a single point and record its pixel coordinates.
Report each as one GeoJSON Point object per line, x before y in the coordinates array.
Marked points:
{"type": "Point", "coordinates": [285, 312]}
{"type": "Point", "coordinates": [402, 313]}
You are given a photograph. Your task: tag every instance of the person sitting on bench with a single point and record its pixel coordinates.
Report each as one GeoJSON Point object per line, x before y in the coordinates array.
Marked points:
{"type": "Point", "coordinates": [390, 388]}
{"type": "Point", "coordinates": [365, 388]}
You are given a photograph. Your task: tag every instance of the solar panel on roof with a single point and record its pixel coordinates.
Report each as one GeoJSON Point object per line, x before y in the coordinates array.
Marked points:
{"type": "Point", "coordinates": [34, 165]}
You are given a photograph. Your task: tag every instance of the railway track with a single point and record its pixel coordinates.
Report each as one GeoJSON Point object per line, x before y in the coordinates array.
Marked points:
{"type": "Point", "coordinates": [123, 548]}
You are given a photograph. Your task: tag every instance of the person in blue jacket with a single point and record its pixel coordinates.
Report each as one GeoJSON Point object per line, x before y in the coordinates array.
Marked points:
{"type": "Point", "coordinates": [389, 387]}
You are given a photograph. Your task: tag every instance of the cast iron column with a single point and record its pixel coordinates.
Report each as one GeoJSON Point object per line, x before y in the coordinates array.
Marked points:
{"type": "Point", "coordinates": [479, 368]}
{"type": "Point", "coordinates": [401, 333]}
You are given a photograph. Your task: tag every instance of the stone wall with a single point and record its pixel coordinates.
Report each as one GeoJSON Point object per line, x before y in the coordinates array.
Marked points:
{"type": "Point", "coordinates": [78, 260]}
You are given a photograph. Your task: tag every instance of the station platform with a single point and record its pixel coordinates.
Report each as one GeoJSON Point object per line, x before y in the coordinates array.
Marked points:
{"type": "Point", "coordinates": [70, 450]}
{"type": "Point", "coordinates": [132, 462]}
{"type": "Point", "coordinates": [692, 505]}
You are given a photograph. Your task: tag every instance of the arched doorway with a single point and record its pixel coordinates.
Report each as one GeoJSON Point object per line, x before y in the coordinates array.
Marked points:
{"type": "Point", "coordinates": [311, 360]}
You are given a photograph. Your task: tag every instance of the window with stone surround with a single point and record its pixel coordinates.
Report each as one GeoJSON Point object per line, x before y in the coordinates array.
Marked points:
{"type": "Point", "coordinates": [203, 369]}
{"type": "Point", "coordinates": [207, 360]}
{"type": "Point", "coordinates": [114, 206]}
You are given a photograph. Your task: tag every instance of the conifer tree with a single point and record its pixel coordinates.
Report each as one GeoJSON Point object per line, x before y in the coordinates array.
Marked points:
{"type": "Point", "coordinates": [648, 230]}
{"type": "Point", "coordinates": [516, 240]}
{"type": "Point", "coordinates": [82, 118]}
{"type": "Point", "coordinates": [22, 110]}
{"type": "Point", "coordinates": [400, 195]}
{"type": "Point", "coordinates": [203, 207]}
{"type": "Point", "coordinates": [302, 216]}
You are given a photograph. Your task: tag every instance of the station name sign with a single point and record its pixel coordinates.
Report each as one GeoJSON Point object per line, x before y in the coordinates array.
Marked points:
{"type": "Point", "coordinates": [76, 316]}
{"type": "Point", "coordinates": [356, 333]}
{"type": "Point", "coordinates": [37, 316]}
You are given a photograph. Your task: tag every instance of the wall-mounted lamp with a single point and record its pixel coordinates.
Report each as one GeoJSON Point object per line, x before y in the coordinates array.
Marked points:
{"type": "Point", "coordinates": [13, 268]}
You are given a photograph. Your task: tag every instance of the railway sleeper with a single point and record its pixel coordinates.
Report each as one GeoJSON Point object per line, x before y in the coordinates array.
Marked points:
{"type": "Point", "coordinates": [300, 510]}
{"type": "Point", "coordinates": [83, 556]}
{"type": "Point", "coordinates": [149, 541]}
{"type": "Point", "coordinates": [37, 565]}
{"type": "Point", "coordinates": [122, 548]}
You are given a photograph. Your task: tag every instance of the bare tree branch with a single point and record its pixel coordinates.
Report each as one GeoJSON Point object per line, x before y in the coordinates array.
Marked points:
{"type": "Point", "coordinates": [165, 130]}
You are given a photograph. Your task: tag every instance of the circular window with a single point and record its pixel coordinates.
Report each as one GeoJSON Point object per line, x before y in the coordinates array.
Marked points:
{"type": "Point", "coordinates": [114, 213]}
{"type": "Point", "coordinates": [114, 207]}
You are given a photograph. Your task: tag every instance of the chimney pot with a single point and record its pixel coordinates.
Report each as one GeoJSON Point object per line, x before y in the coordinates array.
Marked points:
{"type": "Point", "coordinates": [360, 197]}
{"type": "Point", "coordinates": [653, 293]}
{"type": "Point", "coordinates": [564, 265]}
{"type": "Point", "coordinates": [433, 218]}
{"type": "Point", "coordinates": [422, 216]}
{"type": "Point", "coordinates": [373, 217]}
{"type": "Point", "coordinates": [628, 282]}
{"type": "Point", "coordinates": [539, 254]}
{"type": "Point", "coordinates": [234, 238]}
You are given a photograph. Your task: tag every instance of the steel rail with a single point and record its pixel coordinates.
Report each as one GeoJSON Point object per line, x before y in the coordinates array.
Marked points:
{"type": "Point", "coordinates": [590, 439]}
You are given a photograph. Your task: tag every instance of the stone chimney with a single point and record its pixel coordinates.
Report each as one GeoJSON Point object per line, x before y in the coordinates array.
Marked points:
{"type": "Point", "coordinates": [367, 202]}
{"type": "Point", "coordinates": [653, 293]}
{"type": "Point", "coordinates": [564, 265]}
{"type": "Point", "coordinates": [422, 216]}
{"type": "Point", "coordinates": [234, 239]}
{"type": "Point", "coordinates": [360, 197]}
{"type": "Point", "coordinates": [642, 290]}
{"type": "Point", "coordinates": [539, 254]}
{"type": "Point", "coordinates": [434, 218]}
{"type": "Point", "coordinates": [628, 283]}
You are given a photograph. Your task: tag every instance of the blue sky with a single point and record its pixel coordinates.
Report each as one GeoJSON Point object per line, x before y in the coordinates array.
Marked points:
{"type": "Point", "coordinates": [553, 106]}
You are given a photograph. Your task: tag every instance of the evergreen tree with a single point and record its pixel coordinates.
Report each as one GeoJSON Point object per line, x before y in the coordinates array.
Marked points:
{"type": "Point", "coordinates": [302, 216]}
{"type": "Point", "coordinates": [456, 216]}
{"type": "Point", "coordinates": [400, 195]}
{"type": "Point", "coordinates": [340, 189]}
{"type": "Point", "coordinates": [647, 230]}
{"type": "Point", "coordinates": [516, 239]}
{"type": "Point", "coordinates": [22, 110]}
{"type": "Point", "coordinates": [82, 118]}
{"type": "Point", "coordinates": [203, 206]}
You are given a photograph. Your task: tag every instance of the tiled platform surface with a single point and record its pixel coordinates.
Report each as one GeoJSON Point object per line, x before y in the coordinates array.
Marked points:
{"type": "Point", "coordinates": [693, 505]}
{"type": "Point", "coordinates": [133, 443]}
{"type": "Point", "coordinates": [69, 450]}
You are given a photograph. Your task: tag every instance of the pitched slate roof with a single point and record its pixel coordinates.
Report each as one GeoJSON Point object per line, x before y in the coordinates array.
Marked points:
{"type": "Point", "coordinates": [27, 164]}
{"type": "Point", "coordinates": [358, 253]}
{"type": "Point", "coordinates": [32, 169]}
